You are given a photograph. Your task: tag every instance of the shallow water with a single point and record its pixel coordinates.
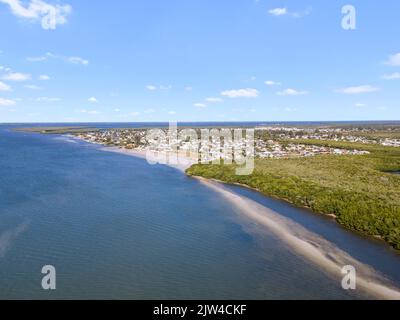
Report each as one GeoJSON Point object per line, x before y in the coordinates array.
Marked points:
{"type": "Point", "coordinates": [116, 227]}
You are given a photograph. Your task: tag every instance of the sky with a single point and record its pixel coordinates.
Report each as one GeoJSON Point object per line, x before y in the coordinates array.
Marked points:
{"type": "Point", "coordinates": [199, 60]}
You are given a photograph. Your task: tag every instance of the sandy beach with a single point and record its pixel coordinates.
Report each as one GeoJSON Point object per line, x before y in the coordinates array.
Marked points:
{"type": "Point", "coordinates": [310, 246]}
{"type": "Point", "coordinates": [178, 161]}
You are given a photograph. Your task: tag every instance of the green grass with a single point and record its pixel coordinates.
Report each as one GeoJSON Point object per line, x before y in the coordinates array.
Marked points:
{"type": "Point", "coordinates": [357, 189]}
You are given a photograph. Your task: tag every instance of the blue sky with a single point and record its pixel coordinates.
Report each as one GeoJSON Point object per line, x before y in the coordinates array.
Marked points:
{"type": "Point", "coordinates": [198, 60]}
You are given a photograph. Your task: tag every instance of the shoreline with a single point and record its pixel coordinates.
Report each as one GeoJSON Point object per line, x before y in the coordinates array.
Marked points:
{"type": "Point", "coordinates": [189, 162]}
{"type": "Point", "coordinates": [179, 162]}
{"type": "Point", "coordinates": [311, 247]}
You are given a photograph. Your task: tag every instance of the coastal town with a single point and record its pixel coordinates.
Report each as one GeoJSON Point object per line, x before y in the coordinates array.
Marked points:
{"type": "Point", "coordinates": [355, 135]}
{"type": "Point", "coordinates": [279, 147]}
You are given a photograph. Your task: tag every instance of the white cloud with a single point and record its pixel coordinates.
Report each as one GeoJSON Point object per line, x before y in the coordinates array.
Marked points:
{"type": "Point", "coordinates": [92, 99]}
{"type": "Point", "coordinates": [78, 60]}
{"type": "Point", "coordinates": [241, 93]}
{"type": "Point", "coordinates": [117, 110]}
{"type": "Point", "coordinates": [4, 87]}
{"type": "Point", "coordinates": [47, 99]}
{"type": "Point", "coordinates": [272, 83]}
{"type": "Point", "coordinates": [32, 87]}
{"type": "Point", "coordinates": [161, 87]}
{"type": "Point", "coordinates": [171, 112]}
{"type": "Point", "coordinates": [88, 111]}
{"type": "Point", "coordinates": [200, 105]}
{"type": "Point", "coordinates": [16, 76]}
{"type": "Point", "coordinates": [359, 104]}
{"type": "Point", "coordinates": [44, 77]}
{"type": "Point", "coordinates": [134, 114]}
{"type": "Point", "coordinates": [300, 14]}
{"type": "Point", "coordinates": [41, 58]}
{"type": "Point", "coordinates": [49, 55]}
{"type": "Point", "coordinates": [249, 79]}
{"type": "Point", "coordinates": [36, 59]}
{"type": "Point", "coordinates": [188, 88]}
{"type": "Point", "coordinates": [291, 92]}
{"type": "Point", "coordinates": [50, 15]}
{"type": "Point", "coordinates": [278, 11]}
{"type": "Point", "coordinates": [358, 89]}
{"type": "Point", "coordinates": [7, 102]}
{"type": "Point", "coordinates": [148, 111]}
{"type": "Point", "coordinates": [3, 68]}
{"type": "Point", "coordinates": [283, 12]}
{"type": "Point", "coordinates": [391, 76]}
{"type": "Point", "coordinates": [213, 100]}
{"type": "Point", "coordinates": [151, 87]}
{"type": "Point", "coordinates": [394, 60]}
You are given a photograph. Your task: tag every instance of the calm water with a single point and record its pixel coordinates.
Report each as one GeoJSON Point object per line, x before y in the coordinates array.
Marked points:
{"type": "Point", "coordinates": [116, 227]}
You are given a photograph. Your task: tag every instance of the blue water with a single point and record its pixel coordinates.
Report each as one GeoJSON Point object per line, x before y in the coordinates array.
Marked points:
{"type": "Point", "coordinates": [116, 227]}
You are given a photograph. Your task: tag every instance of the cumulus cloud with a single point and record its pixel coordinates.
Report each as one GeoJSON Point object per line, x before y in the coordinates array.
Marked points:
{"type": "Point", "coordinates": [4, 86]}
{"type": "Point", "coordinates": [394, 60]}
{"type": "Point", "coordinates": [37, 59]}
{"type": "Point", "coordinates": [44, 77]}
{"type": "Point", "coordinates": [171, 112]}
{"type": "Point", "coordinates": [78, 60]}
{"type": "Point", "coordinates": [272, 83]}
{"type": "Point", "coordinates": [47, 99]}
{"type": "Point", "coordinates": [49, 55]}
{"type": "Point", "coordinates": [392, 76]}
{"type": "Point", "coordinates": [92, 99]}
{"type": "Point", "coordinates": [45, 57]}
{"type": "Point", "coordinates": [291, 92]}
{"type": "Point", "coordinates": [277, 12]}
{"type": "Point", "coordinates": [200, 105]}
{"type": "Point", "coordinates": [161, 87]}
{"type": "Point", "coordinates": [50, 15]}
{"type": "Point", "coordinates": [241, 93]}
{"type": "Point", "coordinates": [17, 76]}
{"type": "Point", "coordinates": [214, 100]}
{"type": "Point", "coordinates": [358, 89]}
{"type": "Point", "coordinates": [151, 87]}
{"type": "Point", "coordinates": [7, 102]}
